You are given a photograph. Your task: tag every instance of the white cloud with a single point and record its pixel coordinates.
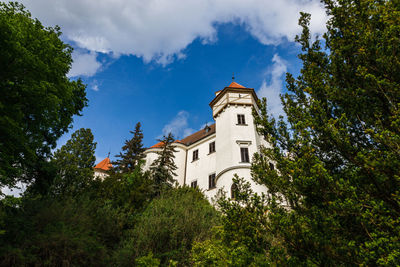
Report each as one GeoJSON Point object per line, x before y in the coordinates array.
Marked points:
{"type": "Point", "coordinates": [178, 126]}
{"type": "Point", "coordinates": [84, 64]}
{"type": "Point", "coordinates": [95, 85]}
{"type": "Point", "coordinates": [160, 29]}
{"type": "Point", "coordinates": [272, 90]}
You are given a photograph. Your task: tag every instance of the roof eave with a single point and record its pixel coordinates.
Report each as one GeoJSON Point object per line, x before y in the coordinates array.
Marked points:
{"type": "Point", "coordinates": [216, 98]}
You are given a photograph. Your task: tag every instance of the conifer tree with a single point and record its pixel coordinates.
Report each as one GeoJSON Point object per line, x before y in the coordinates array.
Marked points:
{"type": "Point", "coordinates": [163, 168]}
{"type": "Point", "coordinates": [133, 152]}
{"type": "Point", "coordinates": [337, 155]}
{"type": "Point", "coordinates": [75, 161]}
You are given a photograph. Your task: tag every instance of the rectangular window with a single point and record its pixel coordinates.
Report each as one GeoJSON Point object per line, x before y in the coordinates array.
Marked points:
{"type": "Point", "coordinates": [212, 147]}
{"type": "Point", "coordinates": [195, 155]}
{"type": "Point", "coordinates": [244, 154]}
{"type": "Point", "coordinates": [241, 119]}
{"type": "Point", "coordinates": [211, 181]}
{"type": "Point", "coordinates": [271, 166]}
{"type": "Point", "coordinates": [193, 184]}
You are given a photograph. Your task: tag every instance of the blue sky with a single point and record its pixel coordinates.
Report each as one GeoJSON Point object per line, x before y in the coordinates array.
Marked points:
{"type": "Point", "coordinates": [160, 62]}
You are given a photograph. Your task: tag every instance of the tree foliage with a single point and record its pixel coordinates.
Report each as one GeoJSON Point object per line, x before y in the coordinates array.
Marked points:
{"type": "Point", "coordinates": [243, 238]}
{"type": "Point", "coordinates": [163, 168]}
{"type": "Point", "coordinates": [74, 162]}
{"type": "Point", "coordinates": [37, 98]}
{"type": "Point", "coordinates": [169, 225]}
{"type": "Point", "coordinates": [337, 154]}
{"type": "Point", "coordinates": [133, 152]}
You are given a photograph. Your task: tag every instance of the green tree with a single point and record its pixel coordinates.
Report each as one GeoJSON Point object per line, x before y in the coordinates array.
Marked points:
{"type": "Point", "coordinates": [133, 152]}
{"type": "Point", "coordinates": [163, 168]}
{"type": "Point", "coordinates": [337, 154]}
{"type": "Point", "coordinates": [37, 100]}
{"type": "Point", "coordinates": [168, 227]}
{"type": "Point", "coordinates": [243, 238]}
{"type": "Point", "coordinates": [74, 162]}
{"type": "Point", "coordinates": [130, 191]}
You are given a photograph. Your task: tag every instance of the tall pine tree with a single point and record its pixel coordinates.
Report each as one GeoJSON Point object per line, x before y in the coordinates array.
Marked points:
{"type": "Point", "coordinates": [163, 168]}
{"type": "Point", "coordinates": [338, 153]}
{"type": "Point", "coordinates": [133, 152]}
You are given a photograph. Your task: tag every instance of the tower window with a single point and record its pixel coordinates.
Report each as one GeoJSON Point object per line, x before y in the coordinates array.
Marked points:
{"type": "Point", "coordinates": [195, 155]}
{"type": "Point", "coordinates": [212, 147]}
{"type": "Point", "coordinates": [234, 190]}
{"type": "Point", "coordinates": [241, 120]}
{"type": "Point", "coordinates": [271, 166]}
{"type": "Point", "coordinates": [193, 184]}
{"type": "Point", "coordinates": [211, 181]}
{"type": "Point", "coordinates": [244, 154]}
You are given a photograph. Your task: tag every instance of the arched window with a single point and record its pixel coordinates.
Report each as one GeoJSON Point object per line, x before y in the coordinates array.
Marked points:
{"type": "Point", "coordinates": [234, 190]}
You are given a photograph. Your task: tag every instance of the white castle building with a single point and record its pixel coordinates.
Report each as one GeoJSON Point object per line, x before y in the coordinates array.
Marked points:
{"type": "Point", "coordinates": [211, 157]}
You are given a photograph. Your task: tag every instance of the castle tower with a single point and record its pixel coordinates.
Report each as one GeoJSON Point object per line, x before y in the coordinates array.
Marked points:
{"type": "Point", "coordinates": [236, 139]}
{"type": "Point", "coordinates": [101, 169]}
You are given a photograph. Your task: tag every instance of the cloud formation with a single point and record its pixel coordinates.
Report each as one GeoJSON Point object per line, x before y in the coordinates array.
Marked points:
{"type": "Point", "coordinates": [85, 64]}
{"type": "Point", "coordinates": [159, 30]}
{"type": "Point", "coordinates": [178, 126]}
{"type": "Point", "coordinates": [272, 90]}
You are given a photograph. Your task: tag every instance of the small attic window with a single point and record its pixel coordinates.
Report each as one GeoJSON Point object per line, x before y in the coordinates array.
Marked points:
{"type": "Point", "coordinates": [207, 128]}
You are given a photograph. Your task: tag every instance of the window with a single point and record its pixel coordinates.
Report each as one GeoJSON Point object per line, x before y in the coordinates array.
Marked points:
{"type": "Point", "coordinates": [241, 120]}
{"type": "Point", "coordinates": [244, 154]}
{"type": "Point", "coordinates": [195, 155]}
{"type": "Point", "coordinates": [212, 147]}
{"type": "Point", "coordinates": [271, 166]}
{"type": "Point", "coordinates": [193, 184]}
{"type": "Point", "coordinates": [234, 191]}
{"type": "Point", "coordinates": [211, 181]}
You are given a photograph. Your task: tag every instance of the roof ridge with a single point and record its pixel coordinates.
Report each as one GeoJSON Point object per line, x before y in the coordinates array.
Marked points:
{"type": "Point", "coordinates": [236, 85]}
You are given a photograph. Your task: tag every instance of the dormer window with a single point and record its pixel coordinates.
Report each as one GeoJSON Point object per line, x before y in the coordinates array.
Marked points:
{"type": "Point", "coordinates": [240, 119]}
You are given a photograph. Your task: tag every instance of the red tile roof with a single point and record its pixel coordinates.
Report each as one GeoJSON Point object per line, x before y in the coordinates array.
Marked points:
{"type": "Point", "coordinates": [104, 165]}
{"type": "Point", "coordinates": [158, 145]}
{"type": "Point", "coordinates": [236, 85]}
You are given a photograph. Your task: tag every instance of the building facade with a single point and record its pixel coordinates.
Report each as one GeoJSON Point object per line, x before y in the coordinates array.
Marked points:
{"type": "Point", "coordinates": [211, 157]}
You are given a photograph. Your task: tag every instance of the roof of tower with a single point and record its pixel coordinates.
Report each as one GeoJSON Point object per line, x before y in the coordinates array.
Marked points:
{"type": "Point", "coordinates": [235, 85]}
{"type": "Point", "coordinates": [104, 165]}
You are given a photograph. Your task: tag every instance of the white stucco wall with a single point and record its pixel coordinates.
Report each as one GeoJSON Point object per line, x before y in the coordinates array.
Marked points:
{"type": "Point", "coordinates": [203, 167]}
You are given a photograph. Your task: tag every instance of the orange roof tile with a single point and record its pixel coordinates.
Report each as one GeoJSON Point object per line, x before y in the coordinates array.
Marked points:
{"type": "Point", "coordinates": [236, 85]}
{"type": "Point", "coordinates": [104, 165]}
{"type": "Point", "coordinates": [158, 145]}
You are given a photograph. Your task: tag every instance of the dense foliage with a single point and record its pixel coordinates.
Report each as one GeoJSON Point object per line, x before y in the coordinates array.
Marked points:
{"type": "Point", "coordinates": [37, 98]}
{"type": "Point", "coordinates": [338, 152]}
{"type": "Point", "coordinates": [169, 225]}
{"type": "Point", "coordinates": [74, 162]}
